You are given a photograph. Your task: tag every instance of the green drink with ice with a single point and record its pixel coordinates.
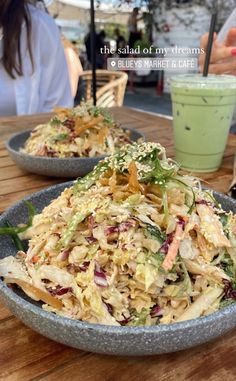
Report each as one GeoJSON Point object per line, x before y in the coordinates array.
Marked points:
{"type": "Point", "coordinates": [202, 113]}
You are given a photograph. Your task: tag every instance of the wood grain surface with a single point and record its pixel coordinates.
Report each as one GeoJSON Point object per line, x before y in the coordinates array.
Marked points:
{"type": "Point", "coordinates": [25, 355]}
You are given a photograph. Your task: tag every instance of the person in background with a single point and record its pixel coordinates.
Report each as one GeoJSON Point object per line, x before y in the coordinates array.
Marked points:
{"type": "Point", "coordinates": [99, 42]}
{"type": "Point", "coordinates": [33, 70]}
{"type": "Point", "coordinates": [87, 43]}
{"type": "Point", "coordinates": [223, 56]}
{"type": "Point", "coordinates": [120, 40]}
{"type": "Point", "coordinates": [133, 27]}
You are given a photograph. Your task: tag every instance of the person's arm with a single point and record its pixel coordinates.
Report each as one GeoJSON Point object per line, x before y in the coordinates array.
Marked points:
{"type": "Point", "coordinates": [73, 63]}
{"type": "Point", "coordinates": [55, 89]}
{"type": "Point", "coordinates": [223, 56]}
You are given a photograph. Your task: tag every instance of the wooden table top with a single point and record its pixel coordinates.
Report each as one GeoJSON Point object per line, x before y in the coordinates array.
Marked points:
{"type": "Point", "coordinates": [25, 355]}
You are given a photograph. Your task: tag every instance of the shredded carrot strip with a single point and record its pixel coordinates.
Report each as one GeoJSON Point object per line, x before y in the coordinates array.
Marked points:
{"type": "Point", "coordinates": [35, 259]}
{"type": "Point", "coordinates": [173, 248]}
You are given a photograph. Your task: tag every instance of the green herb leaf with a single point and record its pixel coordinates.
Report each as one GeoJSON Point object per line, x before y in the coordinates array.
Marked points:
{"type": "Point", "coordinates": [18, 243]}
{"type": "Point", "coordinates": [228, 266]}
{"type": "Point", "coordinates": [84, 183]}
{"type": "Point", "coordinates": [223, 219]}
{"type": "Point", "coordinates": [59, 137]}
{"type": "Point", "coordinates": [12, 231]}
{"type": "Point", "coordinates": [158, 175]}
{"type": "Point", "coordinates": [140, 318]}
{"type": "Point", "coordinates": [226, 302]}
{"type": "Point", "coordinates": [157, 260]}
{"type": "Point", "coordinates": [72, 226]}
{"type": "Point", "coordinates": [55, 121]}
{"type": "Point", "coordinates": [156, 233]}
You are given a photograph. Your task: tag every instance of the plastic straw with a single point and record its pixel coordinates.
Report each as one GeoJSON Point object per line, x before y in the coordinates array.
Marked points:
{"type": "Point", "coordinates": [209, 44]}
{"type": "Point", "coordinates": [93, 50]}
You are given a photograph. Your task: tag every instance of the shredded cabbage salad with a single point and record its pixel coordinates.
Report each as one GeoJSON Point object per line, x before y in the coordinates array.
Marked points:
{"type": "Point", "coordinates": [133, 243]}
{"type": "Point", "coordinates": [85, 131]}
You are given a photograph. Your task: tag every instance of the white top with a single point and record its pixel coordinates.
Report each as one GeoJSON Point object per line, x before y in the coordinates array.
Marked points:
{"type": "Point", "coordinates": [48, 85]}
{"type": "Point", "coordinates": [7, 94]}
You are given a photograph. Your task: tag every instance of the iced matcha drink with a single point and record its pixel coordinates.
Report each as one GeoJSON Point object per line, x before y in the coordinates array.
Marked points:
{"type": "Point", "coordinates": [202, 114]}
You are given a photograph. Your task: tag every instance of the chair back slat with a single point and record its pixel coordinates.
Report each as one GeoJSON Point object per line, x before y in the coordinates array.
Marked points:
{"type": "Point", "coordinates": [111, 87]}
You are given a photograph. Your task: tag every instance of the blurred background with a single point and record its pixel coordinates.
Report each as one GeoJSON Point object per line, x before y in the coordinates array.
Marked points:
{"type": "Point", "coordinates": [158, 22]}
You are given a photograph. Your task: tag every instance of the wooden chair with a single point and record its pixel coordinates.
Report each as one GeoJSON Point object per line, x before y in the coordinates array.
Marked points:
{"type": "Point", "coordinates": [111, 87]}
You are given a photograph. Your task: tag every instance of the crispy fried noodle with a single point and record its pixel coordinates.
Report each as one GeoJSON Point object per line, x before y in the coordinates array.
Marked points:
{"type": "Point", "coordinates": [85, 131]}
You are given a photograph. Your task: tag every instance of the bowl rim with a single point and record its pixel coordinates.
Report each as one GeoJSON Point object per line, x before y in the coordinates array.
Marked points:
{"type": "Point", "coordinates": [103, 328]}
{"type": "Point", "coordinates": [63, 159]}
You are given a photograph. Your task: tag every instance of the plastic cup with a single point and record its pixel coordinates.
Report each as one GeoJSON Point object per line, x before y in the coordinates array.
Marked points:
{"type": "Point", "coordinates": [202, 113]}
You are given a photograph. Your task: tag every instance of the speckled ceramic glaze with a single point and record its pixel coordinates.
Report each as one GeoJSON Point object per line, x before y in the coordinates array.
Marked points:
{"type": "Point", "coordinates": [56, 167]}
{"type": "Point", "coordinates": [102, 338]}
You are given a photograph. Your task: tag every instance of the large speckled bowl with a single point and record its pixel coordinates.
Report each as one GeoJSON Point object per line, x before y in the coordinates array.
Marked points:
{"type": "Point", "coordinates": [53, 166]}
{"type": "Point", "coordinates": [102, 338]}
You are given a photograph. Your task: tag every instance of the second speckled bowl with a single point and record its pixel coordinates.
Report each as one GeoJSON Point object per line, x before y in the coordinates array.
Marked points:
{"type": "Point", "coordinates": [52, 166]}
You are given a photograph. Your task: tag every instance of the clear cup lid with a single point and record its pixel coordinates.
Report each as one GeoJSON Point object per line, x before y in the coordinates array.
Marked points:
{"type": "Point", "coordinates": [198, 81]}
